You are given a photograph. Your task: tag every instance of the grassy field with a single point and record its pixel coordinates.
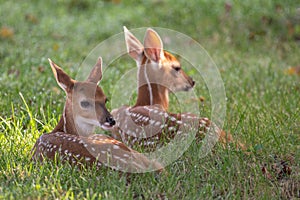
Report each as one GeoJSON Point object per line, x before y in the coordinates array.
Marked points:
{"type": "Point", "coordinates": [254, 43]}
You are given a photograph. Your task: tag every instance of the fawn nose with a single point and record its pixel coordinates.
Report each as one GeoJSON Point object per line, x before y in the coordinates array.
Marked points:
{"type": "Point", "coordinates": [192, 82]}
{"type": "Point", "coordinates": [110, 120]}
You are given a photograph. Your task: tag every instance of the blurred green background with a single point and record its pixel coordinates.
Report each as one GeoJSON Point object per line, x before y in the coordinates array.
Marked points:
{"type": "Point", "coordinates": [255, 45]}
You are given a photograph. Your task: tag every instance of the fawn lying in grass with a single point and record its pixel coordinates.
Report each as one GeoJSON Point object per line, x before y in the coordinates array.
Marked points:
{"type": "Point", "coordinates": [147, 123]}
{"type": "Point", "coordinates": [73, 139]}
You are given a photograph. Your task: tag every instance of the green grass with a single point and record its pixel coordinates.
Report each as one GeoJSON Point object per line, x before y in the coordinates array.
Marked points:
{"type": "Point", "coordinates": [252, 45]}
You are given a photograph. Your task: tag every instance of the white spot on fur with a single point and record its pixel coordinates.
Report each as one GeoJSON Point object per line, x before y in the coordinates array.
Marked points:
{"type": "Point", "coordinates": [157, 123]}
{"type": "Point", "coordinates": [202, 122]}
{"type": "Point", "coordinates": [171, 128]}
{"type": "Point", "coordinates": [173, 119]}
{"type": "Point", "coordinates": [123, 160]}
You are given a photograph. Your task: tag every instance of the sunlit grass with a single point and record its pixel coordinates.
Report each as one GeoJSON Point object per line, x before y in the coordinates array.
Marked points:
{"type": "Point", "coordinates": [252, 45]}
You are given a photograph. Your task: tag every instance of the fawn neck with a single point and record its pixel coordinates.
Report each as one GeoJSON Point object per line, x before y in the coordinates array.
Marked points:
{"type": "Point", "coordinates": [153, 94]}
{"type": "Point", "coordinates": [149, 92]}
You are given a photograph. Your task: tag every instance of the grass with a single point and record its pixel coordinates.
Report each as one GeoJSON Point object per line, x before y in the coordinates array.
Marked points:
{"type": "Point", "coordinates": [253, 44]}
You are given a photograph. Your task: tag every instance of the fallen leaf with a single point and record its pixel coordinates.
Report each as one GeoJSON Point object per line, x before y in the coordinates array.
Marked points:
{"type": "Point", "coordinates": [55, 47]}
{"type": "Point", "coordinates": [201, 99]}
{"type": "Point", "coordinates": [293, 70]}
{"type": "Point", "coordinates": [6, 32]}
{"type": "Point", "coordinates": [31, 18]}
{"type": "Point", "coordinates": [41, 69]}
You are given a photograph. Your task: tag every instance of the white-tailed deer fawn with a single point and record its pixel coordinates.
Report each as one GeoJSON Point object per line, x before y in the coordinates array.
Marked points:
{"type": "Point", "coordinates": [73, 139]}
{"type": "Point", "coordinates": [148, 123]}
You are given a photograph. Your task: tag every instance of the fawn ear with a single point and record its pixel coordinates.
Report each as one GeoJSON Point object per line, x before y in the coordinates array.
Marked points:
{"type": "Point", "coordinates": [134, 46]}
{"type": "Point", "coordinates": [96, 73]}
{"type": "Point", "coordinates": [153, 45]}
{"type": "Point", "coordinates": [63, 80]}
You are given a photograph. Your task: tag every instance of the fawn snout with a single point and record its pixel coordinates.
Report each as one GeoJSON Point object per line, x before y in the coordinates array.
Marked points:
{"type": "Point", "coordinates": [110, 120]}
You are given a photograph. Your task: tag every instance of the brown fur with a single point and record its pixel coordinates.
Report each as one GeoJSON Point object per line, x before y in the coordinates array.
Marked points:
{"type": "Point", "coordinates": [69, 139]}
{"type": "Point", "coordinates": [126, 116]}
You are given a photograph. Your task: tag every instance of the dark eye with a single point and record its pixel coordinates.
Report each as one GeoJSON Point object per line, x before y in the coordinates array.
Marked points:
{"type": "Point", "coordinates": [177, 69]}
{"type": "Point", "coordinates": [106, 100]}
{"type": "Point", "coordinates": [85, 104]}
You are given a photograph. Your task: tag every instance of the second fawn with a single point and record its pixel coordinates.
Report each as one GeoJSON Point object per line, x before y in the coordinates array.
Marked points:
{"type": "Point", "coordinates": [148, 123]}
{"type": "Point", "coordinates": [73, 139]}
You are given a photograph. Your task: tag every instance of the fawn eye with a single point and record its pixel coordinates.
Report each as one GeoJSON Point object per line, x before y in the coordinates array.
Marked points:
{"type": "Point", "coordinates": [177, 69]}
{"type": "Point", "coordinates": [85, 104]}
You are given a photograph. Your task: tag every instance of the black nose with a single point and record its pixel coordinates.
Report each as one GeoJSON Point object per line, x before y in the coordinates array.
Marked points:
{"type": "Point", "coordinates": [192, 82]}
{"type": "Point", "coordinates": [110, 120]}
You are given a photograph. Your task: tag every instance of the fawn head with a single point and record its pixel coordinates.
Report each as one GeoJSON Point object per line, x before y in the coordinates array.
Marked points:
{"type": "Point", "coordinates": [85, 104]}
{"type": "Point", "coordinates": [156, 65]}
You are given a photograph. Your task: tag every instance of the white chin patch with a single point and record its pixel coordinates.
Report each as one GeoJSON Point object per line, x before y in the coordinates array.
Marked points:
{"type": "Point", "coordinates": [179, 89]}
{"type": "Point", "coordinates": [81, 122]}
{"type": "Point", "coordinates": [106, 126]}
{"type": "Point", "coordinates": [188, 88]}
{"type": "Point", "coordinates": [86, 124]}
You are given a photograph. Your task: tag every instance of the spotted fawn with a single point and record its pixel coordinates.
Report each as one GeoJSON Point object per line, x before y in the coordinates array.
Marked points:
{"type": "Point", "coordinates": [148, 123]}
{"type": "Point", "coordinates": [73, 139]}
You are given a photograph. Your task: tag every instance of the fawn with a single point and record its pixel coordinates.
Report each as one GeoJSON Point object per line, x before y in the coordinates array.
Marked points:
{"type": "Point", "coordinates": [148, 123]}
{"type": "Point", "coordinates": [73, 139]}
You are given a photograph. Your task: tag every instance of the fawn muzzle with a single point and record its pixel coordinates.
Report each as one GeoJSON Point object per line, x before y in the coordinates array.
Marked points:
{"type": "Point", "coordinates": [105, 119]}
{"type": "Point", "coordinates": [110, 120]}
{"type": "Point", "coordinates": [191, 81]}
{"type": "Point", "coordinates": [109, 123]}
